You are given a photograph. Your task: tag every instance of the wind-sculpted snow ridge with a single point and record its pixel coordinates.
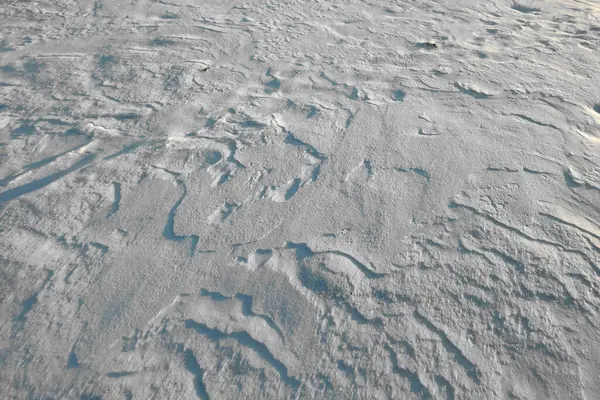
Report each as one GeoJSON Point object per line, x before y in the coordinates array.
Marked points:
{"type": "Point", "coordinates": [329, 200]}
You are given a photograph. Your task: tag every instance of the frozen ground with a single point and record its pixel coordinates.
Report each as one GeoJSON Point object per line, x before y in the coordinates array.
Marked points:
{"type": "Point", "coordinates": [299, 199]}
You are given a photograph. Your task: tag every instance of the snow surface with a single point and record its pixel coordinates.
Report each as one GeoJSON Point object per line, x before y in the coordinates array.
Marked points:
{"type": "Point", "coordinates": [299, 199]}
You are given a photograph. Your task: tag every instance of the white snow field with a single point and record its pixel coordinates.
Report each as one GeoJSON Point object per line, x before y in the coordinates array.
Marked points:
{"type": "Point", "coordinates": [299, 199]}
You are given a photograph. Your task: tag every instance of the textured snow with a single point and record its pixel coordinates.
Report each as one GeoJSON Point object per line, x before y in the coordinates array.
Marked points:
{"type": "Point", "coordinates": [299, 199]}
